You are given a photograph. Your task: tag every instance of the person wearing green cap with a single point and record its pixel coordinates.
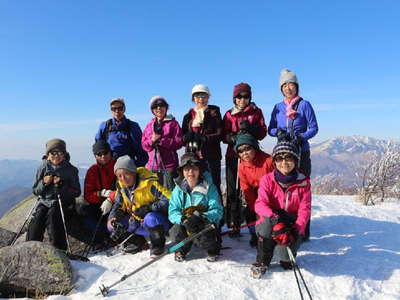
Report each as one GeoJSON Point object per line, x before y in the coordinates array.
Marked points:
{"type": "Point", "coordinates": [254, 164]}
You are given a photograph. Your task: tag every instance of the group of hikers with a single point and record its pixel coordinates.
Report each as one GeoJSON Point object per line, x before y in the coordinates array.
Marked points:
{"type": "Point", "coordinates": [139, 188]}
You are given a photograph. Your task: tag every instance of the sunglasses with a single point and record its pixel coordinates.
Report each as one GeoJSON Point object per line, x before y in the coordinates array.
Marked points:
{"type": "Point", "coordinates": [115, 108]}
{"type": "Point", "coordinates": [242, 97]}
{"type": "Point", "coordinates": [158, 105]}
{"type": "Point", "coordinates": [202, 96]}
{"type": "Point", "coordinates": [244, 149]}
{"type": "Point", "coordinates": [101, 153]}
{"type": "Point", "coordinates": [288, 158]}
{"type": "Point", "coordinates": [56, 152]}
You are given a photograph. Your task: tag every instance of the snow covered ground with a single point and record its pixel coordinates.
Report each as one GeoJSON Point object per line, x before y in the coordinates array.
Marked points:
{"type": "Point", "coordinates": [353, 253]}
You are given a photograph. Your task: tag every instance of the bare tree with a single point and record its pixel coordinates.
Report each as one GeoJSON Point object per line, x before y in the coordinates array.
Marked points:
{"type": "Point", "coordinates": [380, 176]}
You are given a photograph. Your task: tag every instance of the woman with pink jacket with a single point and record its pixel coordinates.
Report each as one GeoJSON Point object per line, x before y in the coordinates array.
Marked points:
{"type": "Point", "coordinates": [283, 207]}
{"type": "Point", "coordinates": [161, 138]}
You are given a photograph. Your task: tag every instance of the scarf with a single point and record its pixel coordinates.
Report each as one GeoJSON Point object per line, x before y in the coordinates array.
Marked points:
{"type": "Point", "coordinates": [290, 112]}
{"type": "Point", "coordinates": [285, 180]}
{"type": "Point", "coordinates": [199, 117]}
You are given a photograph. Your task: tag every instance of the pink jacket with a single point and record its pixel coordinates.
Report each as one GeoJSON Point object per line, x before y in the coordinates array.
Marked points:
{"type": "Point", "coordinates": [295, 200]}
{"type": "Point", "coordinates": [170, 142]}
{"type": "Point", "coordinates": [232, 121]}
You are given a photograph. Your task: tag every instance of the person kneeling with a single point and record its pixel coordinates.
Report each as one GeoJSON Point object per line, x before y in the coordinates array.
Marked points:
{"type": "Point", "coordinates": [194, 203]}
{"type": "Point", "coordinates": [283, 206]}
{"type": "Point", "coordinates": [141, 207]}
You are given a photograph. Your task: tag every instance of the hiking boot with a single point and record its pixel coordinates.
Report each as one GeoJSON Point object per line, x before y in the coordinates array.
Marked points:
{"type": "Point", "coordinates": [135, 244]}
{"type": "Point", "coordinates": [212, 257]}
{"type": "Point", "coordinates": [286, 265]}
{"type": "Point", "coordinates": [258, 269]}
{"type": "Point", "coordinates": [156, 251]}
{"type": "Point", "coordinates": [253, 240]}
{"type": "Point", "coordinates": [180, 257]}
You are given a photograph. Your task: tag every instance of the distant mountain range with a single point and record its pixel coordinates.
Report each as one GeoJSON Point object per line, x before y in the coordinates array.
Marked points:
{"type": "Point", "coordinates": [11, 196]}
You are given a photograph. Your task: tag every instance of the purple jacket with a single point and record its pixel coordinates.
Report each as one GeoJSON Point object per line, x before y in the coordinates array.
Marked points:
{"type": "Point", "coordinates": [165, 157]}
{"type": "Point", "coordinates": [304, 124]}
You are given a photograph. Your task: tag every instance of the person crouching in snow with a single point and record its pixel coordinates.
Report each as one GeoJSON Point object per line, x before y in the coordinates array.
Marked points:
{"type": "Point", "coordinates": [194, 203]}
{"type": "Point", "coordinates": [56, 178]}
{"type": "Point", "coordinates": [141, 207]}
{"type": "Point", "coordinates": [283, 206]}
{"type": "Point", "coordinates": [254, 164]}
{"type": "Point", "coordinates": [98, 189]}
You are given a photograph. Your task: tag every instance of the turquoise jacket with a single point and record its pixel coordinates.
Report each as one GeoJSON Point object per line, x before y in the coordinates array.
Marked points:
{"type": "Point", "coordinates": [205, 194]}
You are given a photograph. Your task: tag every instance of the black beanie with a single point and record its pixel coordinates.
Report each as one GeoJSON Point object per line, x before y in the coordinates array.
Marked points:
{"type": "Point", "coordinates": [101, 146]}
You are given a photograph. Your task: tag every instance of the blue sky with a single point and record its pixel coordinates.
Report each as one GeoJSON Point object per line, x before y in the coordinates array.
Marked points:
{"type": "Point", "coordinates": [62, 61]}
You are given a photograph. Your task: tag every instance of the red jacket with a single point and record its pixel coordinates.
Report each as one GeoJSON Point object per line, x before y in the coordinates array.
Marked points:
{"type": "Point", "coordinates": [232, 121]}
{"type": "Point", "coordinates": [250, 174]}
{"type": "Point", "coordinates": [99, 177]}
{"type": "Point", "coordinates": [296, 199]}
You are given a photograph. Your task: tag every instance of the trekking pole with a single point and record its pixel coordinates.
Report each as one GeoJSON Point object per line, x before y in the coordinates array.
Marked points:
{"type": "Point", "coordinates": [23, 224]}
{"type": "Point", "coordinates": [238, 228]}
{"type": "Point", "coordinates": [104, 290]}
{"type": "Point", "coordinates": [89, 247]}
{"type": "Point", "coordinates": [68, 251]}
{"type": "Point", "coordinates": [296, 267]}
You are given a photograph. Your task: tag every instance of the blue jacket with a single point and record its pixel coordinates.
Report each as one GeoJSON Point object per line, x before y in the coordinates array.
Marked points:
{"type": "Point", "coordinates": [123, 141]}
{"type": "Point", "coordinates": [205, 194]}
{"type": "Point", "coordinates": [305, 122]}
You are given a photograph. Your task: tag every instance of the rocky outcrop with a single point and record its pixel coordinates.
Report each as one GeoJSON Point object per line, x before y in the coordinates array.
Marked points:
{"type": "Point", "coordinates": [6, 237]}
{"type": "Point", "coordinates": [35, 269]}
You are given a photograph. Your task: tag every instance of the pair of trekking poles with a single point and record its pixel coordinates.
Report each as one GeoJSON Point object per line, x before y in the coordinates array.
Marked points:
{"type": "Point", "coordinates": [68, 251]}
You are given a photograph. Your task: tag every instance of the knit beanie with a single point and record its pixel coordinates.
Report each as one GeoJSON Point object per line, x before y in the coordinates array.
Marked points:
{"type": "Point", "coordinates": [246, 139]}
{"type": "Point", "coordinates": [125, 162]}
{"type": "Point", "coordinates": [286, 147]}
{"type": "Point", "coordinates": [101, 146]}
{"type": "Point", "coordinates": [286, 77]}
{"type": "Point", "coordinates": [241, 88]}
{"type": "Point", "coordinates": [157, 99]}
{"type": "Point", "coordinates": [56, 144]}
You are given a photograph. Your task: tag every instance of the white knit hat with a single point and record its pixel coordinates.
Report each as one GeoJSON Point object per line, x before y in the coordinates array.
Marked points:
{"type": "Point", "coordinates": [156, 98]}
{"type": "Point", "coordinates": [286, 77]}
{"type": "Point", "coordinates": [120, 100]}
{"type": "Point", "coordinates": [201, 88]}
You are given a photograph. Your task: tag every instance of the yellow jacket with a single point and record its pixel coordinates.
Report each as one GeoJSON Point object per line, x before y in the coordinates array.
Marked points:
{"type": "Point", "coordinates": [147, 191]}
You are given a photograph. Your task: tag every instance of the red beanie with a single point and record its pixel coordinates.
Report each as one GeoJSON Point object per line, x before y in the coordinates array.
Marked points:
{"type": "Point", "coordinates": [241, 88]}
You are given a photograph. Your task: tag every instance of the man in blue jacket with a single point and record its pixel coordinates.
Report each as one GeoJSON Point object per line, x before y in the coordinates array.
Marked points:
{"type": "Point", "coordinates": [123, 135]}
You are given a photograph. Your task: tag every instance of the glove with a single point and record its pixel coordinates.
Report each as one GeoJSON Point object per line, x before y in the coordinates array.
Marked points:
{"type": "Point", "coordinates": [282, 135]}
{"type": "Point", "coordinates": [106, 206]}
{"type": "Point", "coordinates": [245, 126]}
{"type": "Point", "coordinates": [105, 193]}
{"type": "Point", "coordinates": [142, 211]}
{"type": "Point", "coordinates": [299, 139]}
{"type": "Point", "coordinates": [188, 137]}
{"type": "Point", "coordinates": [285, 217]}
{"type": "Point", "coordinates": [232, 137]}
{"type": "Point", "coordinates": [194, 223]}
{"type": "Point", "coordinates": [282, 234]}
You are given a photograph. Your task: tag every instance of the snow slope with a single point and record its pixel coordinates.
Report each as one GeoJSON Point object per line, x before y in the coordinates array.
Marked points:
{"type": "Point", "coordinates": [354, 253]}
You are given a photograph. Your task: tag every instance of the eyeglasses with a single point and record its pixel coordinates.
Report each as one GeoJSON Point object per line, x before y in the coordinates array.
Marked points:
{"type": "Point", "coordinates": [56, 152]}
{"type": "Point", "coordinates": [288, 158]}
{"type": "Point", "coordinates": [202, 95]}
{"type": "Point", "coordinates": [242, 97]}
{"type": "Point", "coordinates": [158, 105]}
{"type": "Point", "coordinates": [244, 149]}
{"type": "Point", "coordinates": [115, 108]}
{"type": "Point", "coordinates": [101, 153]}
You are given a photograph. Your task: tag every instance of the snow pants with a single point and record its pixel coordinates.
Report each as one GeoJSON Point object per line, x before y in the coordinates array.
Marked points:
{"type": "Point", "coordinates": [266, 245]}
